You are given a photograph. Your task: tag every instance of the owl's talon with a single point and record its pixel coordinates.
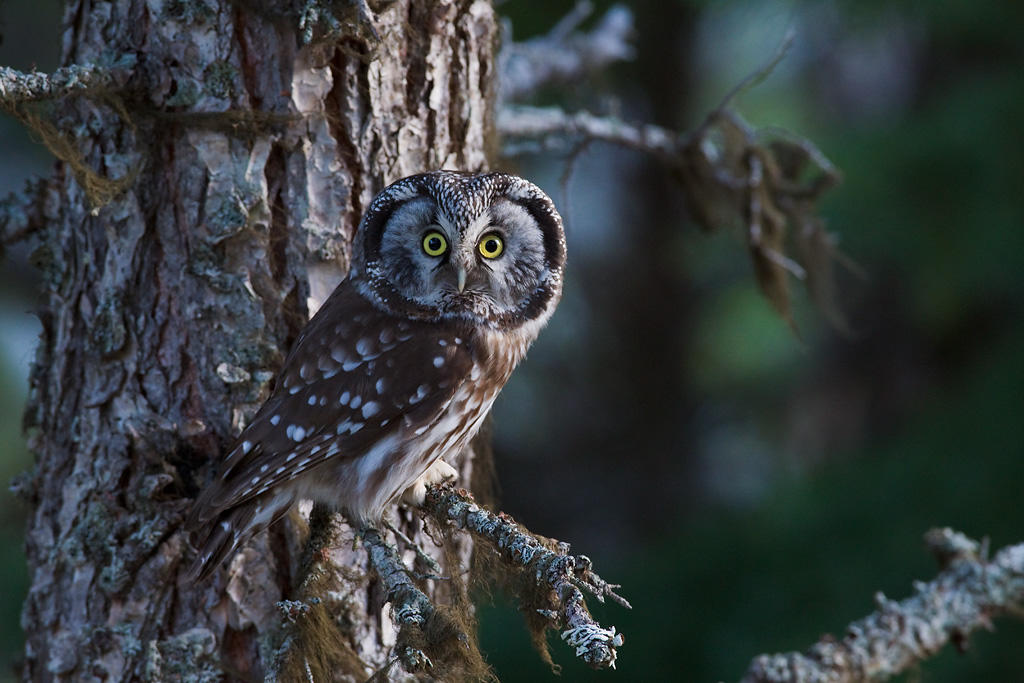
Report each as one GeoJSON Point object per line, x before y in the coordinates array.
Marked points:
{"type": "Point", "coordinates": [440, 471]}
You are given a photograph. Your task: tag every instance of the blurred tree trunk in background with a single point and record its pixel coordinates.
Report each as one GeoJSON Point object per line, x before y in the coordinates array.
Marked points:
{"type": "Point", "coordinates": [636, 379]}
{"type": "Point", "coordinates": [659, 333]}
{"type": "Point", "coordinates": [248, 155]}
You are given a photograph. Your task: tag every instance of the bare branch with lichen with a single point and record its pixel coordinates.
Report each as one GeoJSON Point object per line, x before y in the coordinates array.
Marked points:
{"type": "Point", "coordinates": [766, 181]}
{"type": "Point", "coordinates": [565, 53]}
{"type": "Point", "coordinates": [27, 97]}
{"type": "Point", "coordinates": [438, 639]}
{"type": "Point", "coordinates": [411, 607]}
{"type": "Point", "coordinates": [314, 647]}
{"type": "Point", "coordinates": [558, 578]}
{"type": "Point", "coordinates": [965, 596]}
{"type": "Point", "coordinates": [18, 87]}
{"type": "Point", "coordinates": [731, 174]}
{"type": "Point", "coordinates": [533, 129]}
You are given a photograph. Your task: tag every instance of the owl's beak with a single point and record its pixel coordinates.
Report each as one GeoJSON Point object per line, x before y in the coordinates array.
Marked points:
{"type": "Point", "coordinates": [460, 278]}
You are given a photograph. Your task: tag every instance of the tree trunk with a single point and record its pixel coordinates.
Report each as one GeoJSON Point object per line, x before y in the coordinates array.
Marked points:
{"type": "Point", "coordinates": [248, 156]}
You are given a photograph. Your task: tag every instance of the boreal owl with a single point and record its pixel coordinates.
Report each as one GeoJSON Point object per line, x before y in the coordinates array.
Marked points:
{"type": "Point", "coordinates": [452, 277]}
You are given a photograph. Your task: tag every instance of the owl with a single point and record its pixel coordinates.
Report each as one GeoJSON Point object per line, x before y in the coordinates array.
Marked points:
{"type": "Point", "coordinates": [453, 275]}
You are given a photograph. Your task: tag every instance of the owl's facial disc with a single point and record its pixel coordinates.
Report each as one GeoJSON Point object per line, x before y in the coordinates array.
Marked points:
{"type": "Point", "coordinates": [482, 268]}
{"type": "Point", "coordinates": [487, 248]}
{"type": "Point", "coordinates": [496, 261]}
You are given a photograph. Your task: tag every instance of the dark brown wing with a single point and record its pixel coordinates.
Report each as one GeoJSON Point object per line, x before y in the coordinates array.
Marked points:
{"type": "Point", "coordinates": [356, 375]}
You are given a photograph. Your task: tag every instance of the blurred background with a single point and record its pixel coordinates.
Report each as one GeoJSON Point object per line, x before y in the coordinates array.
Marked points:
{"type": "Point", "coordinates": [750, 489]}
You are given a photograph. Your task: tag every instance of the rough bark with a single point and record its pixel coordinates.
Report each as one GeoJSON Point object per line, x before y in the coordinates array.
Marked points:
{"type": "Point", "coordinates": [246, 156]}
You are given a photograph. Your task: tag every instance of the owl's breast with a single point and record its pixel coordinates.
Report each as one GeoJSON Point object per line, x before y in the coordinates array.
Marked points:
{"type": "Point", "coordinates": [422, 396]}
{"type": "Point", "coordinates": [390, 466]}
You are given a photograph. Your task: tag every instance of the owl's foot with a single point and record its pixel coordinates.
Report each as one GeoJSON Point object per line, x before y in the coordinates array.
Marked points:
{"type": "Point", "coordinates": [436, 473]}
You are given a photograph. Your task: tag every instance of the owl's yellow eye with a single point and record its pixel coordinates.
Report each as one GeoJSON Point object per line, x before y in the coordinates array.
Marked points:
{"type": "Point", "coordinates": [491, 245]}
{"type": "Point", "coordinates": [434, 243]}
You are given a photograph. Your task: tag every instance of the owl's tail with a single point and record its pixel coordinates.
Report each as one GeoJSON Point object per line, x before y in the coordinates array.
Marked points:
{"type": "Point", "coordinates": [219, 538]}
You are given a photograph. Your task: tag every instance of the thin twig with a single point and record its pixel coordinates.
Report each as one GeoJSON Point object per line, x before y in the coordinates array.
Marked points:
{"type": "Point", "coordinates": [756, 77]}
{"type": "Point", "coordinates": [420, 553]}
{"type": "Point", "coordinates": [313, 645]}
{"type": "Point", "coordinates": [565, 179]}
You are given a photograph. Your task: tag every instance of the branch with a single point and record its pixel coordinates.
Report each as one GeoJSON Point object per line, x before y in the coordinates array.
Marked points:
{"type": "Point", "coordinates": [438, 639]}
{"type": "Point", "coordinates": [557, 572]}
{"type": "Point", "coordinates": [564, 54]}
{"type": "Point", "coordinates": [967, 593]}
{"type": "Point", "coordinates": [730, 173]}
{"type": "Point", "coordinates": [22, 95]}
{"type": "Point", "coordinates": [552, 129]}
{"type": "Point", "coordinates": [17, 87]}
{"type": "Point", "coordinates": [411, 606]}
{"type": "Point", "coordinates": [314, 648]}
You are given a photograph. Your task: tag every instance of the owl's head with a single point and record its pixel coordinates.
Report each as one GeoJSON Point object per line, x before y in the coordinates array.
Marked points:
{"type": "Point", "coordinates": [487, 248]}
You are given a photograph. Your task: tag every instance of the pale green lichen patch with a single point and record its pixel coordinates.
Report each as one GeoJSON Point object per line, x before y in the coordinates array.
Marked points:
{"type": "Point", "coordinates": [188, 11]}
{"type": "Point", "coordinates": [229, 217]}
{"type": "Point", "coordinates": [127, 557]}
{"type": "Point", "coordinates": [186, 94]}
{"type": "Point", "coordinates": [50, 268]}
{"type": "Point", "coordinates": [190, 657]}
{"type": "Point", "coordinates": [207, 262]}
{"type": "Point", "coordinates": [90, 538]}
{"type": "Point", "coordinates": [108, 332]}
{"type": "Point", "coordinates": [219, 79]}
